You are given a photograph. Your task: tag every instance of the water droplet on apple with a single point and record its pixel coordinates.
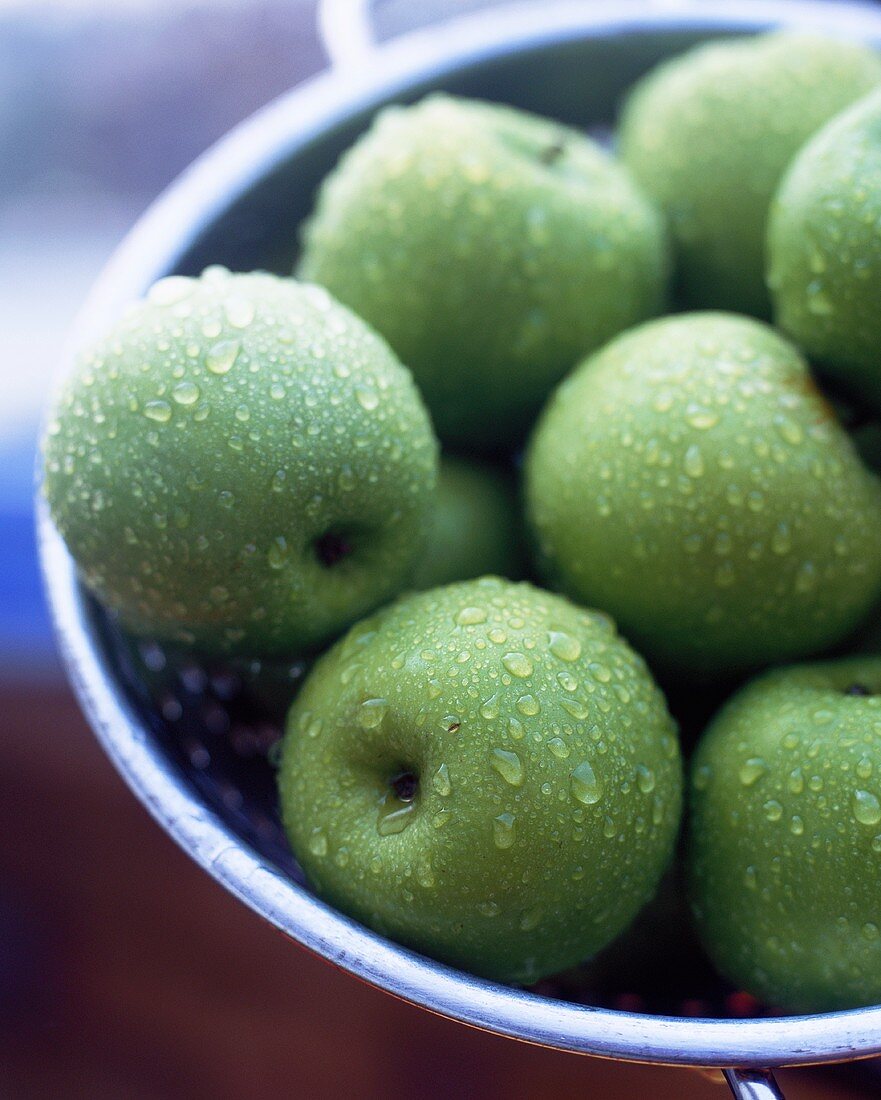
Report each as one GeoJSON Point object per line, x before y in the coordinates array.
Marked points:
{"type": "Point", "coordinates": [441, 781]}
{"type": "Point", "coordinates": [515, 728]}
{"type": "Point", "coordinates": [160, 411]}
{"type": "Point", "coordinates": [693, 463]}
{"type": "Point", "coordinates": [866, 808]}
{"type": "Point", "coordinates": [239, 312]}
{"type": "Point", "coordinates": [394, 816]}
{"type": "Point", "coordinates": [490, 708]}
{"type": "Point", "coordinates": [518, 664]}
{"type": "Point", "coordinates": [585, 785]}
{"type": "Point", "coordinates": [531, 919]}
{"type": "Point", "coordinates": [221, 357]}
{"type": "Point", "coordinates": [277, 554]}
{"type": "Point", "coordinates": [186, 393]}
{"type": "Point", "coordinates": [471, 616]}
{"type": "Point", "coordinates": [564, 646]}
{"type": "Point", "coordinates": [528, 705]}
{"type": "Point", "coordinates": [371, 713]}
{"type": "Point", "coordinates": [368, 399]}
{"type": "Point", "coordinates": [789, 430]}
{"type": "Point", "coordinates": [558, 747]}
{"type": "Point", "coordinates": [567, 681]}
{"type": "Point", "coordinates": [576, 707]}
{"type": "Point", "coordinates": [701, 418]}
{"type": "Point", "coordinates": [317, 842]}
{"type": "Point", "coordinates": [508, 765]}
{"type": "Point", "coordinates": [752, 770]}
{"type": "Point", "coordinates": [503, 830]}
{"type": "Point", "coordinates": [425, 875]}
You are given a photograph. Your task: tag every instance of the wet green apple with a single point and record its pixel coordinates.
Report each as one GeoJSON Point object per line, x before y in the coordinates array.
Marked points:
{"type": "Point", "coordinates": [491, 248]}
{"type": "Point", "coordinates": [690, 480]}
{"type": "Point", "coordinates": [485, 773]}
{"type": "Point", "coordinates": [476, 527]}
{"type": "Point", "coordinates": [242, 465]}
{"type": "Point", "coordinates": [824, 249]}
{"type": "Point", "coordinates": [785, 836]}
{"type": "Point", "coordinates": [709, 134]}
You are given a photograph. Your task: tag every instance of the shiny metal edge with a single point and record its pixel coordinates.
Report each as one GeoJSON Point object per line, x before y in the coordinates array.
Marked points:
{"type": "Point", "coordinates": [151, 250]}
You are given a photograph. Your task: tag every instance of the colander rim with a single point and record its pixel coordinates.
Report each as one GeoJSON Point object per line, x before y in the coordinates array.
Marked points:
{"type": "Point", "coordinates": [153, 248]}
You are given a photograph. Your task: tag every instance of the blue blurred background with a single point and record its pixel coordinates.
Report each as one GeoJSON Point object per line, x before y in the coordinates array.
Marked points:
{"type": "Point", "coordinates": [102, 103]}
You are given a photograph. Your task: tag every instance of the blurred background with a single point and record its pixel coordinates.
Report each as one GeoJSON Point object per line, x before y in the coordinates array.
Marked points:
{"type": "Point", "coordinates": [124, 970]}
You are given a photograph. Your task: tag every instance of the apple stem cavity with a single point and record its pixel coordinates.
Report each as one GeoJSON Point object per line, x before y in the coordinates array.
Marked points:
{"type": "Point", "coordinates": [858, 689]}
{"type": "Point", "coordinates": [332, 547]}
{"type": "Point", "coordinates": [405, 785]}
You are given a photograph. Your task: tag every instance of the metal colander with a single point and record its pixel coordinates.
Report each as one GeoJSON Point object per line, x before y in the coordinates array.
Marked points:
{"type": "Point", "coordinates": [195, 741]}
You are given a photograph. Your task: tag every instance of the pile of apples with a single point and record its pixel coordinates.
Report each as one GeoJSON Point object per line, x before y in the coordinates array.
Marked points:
{"type": "Point", "coordinates": [479, 764]}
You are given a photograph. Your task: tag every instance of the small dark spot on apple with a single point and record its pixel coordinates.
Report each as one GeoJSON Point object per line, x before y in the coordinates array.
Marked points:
{"type": "Point", "coordinates": [405, 785]}
{"type": "Point", "coordinates": [453, 727]}
{"type": "Point", "coordinates": [552, 153]}
{"type": "Point", "coordinates": [332, 547]}
{"type": "Point", "coordinates": [858, 689]}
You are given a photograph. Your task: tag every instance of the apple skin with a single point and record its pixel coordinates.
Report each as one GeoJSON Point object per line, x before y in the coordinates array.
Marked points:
{"type": "Point", "coordinates": [708, 136]}
{"type": "Point", "coordinates": [491, 248]}
{"type": "Point", "coordinates": [476, 527]}
{"type": "Point", "coordinates": [547, 776]}
{"type": "Point", "coordinates": [690, 480]}
{"type": "Point", "coordinates": [785, 837]}
{"type": "Point", "coordinates": [201, 450]}
{"type": "Point", "coordinates": [824, 250]}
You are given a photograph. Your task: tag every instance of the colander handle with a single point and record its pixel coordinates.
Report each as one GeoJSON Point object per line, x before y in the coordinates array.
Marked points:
{"type": "Point", "coordinates": [346, 31]}
{"type": "Point", "coordinates": [753, 1084]}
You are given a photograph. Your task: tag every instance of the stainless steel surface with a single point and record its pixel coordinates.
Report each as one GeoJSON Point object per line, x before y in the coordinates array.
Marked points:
{"type": "Point", "coordinates": [753, 1084]}
{"type": "Point", "coordinates": [346, 32]}
{"type": "Point", "coordinates": [239, 205]}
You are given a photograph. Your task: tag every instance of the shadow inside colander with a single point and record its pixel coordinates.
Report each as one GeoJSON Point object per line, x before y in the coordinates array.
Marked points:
{"type": "Point", "coordinates": [219, 724]}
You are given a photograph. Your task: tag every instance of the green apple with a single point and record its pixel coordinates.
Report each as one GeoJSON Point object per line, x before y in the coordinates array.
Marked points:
{"type": "Point", "coordinates": [242, 465]}
{"type": "Point", "coordinates": [709, 134]}
{"type": "Point", "coordinates": [485, 773]}
{"type": "Point", "coordinates": [691, 481]}
{"type": "Point", "coordinates": [824, 249]}
{"type": "Point", "coordinates": [476, 527]}
{"type": "Point", "coordinates": [785, 836]}
{"type": "Point", "coordinates": [491, 248]}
